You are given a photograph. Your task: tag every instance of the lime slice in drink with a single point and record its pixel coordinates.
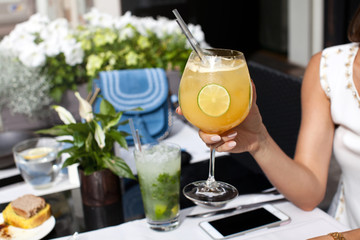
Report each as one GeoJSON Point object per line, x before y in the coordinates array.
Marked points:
{"type": "Point", "coordinates": [159, 210]}
{"type": "Point", "coordinates": [175, 209]}
{"type": "Point", "coordinates": [214, 100]}
{"type": "Point", "coordinates": [36, 153]}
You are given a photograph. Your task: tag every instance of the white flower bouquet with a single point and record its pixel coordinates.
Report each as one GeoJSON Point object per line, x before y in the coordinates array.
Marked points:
{"type": "Point", "coordinates": [68, 57]}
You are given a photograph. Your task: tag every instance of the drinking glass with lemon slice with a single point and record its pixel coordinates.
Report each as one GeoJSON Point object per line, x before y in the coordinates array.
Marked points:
{"type": "Point", "coordinates": [37, 160]}
{"type": "Point", "coordinates": [215, 95]}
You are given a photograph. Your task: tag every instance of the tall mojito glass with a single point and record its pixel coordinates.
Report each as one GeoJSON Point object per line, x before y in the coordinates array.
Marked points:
{"type": "Point", "coordinates": [158, 168]}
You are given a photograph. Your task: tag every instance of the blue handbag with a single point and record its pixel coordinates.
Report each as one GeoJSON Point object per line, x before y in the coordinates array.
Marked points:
{"type": "Point", "coordinates": [129, 89]}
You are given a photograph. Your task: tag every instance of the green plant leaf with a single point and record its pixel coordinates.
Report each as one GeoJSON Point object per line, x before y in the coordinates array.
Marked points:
{"type": "Point", "coordinates": [88, 142]}
{"type": "Point", "coordinates": [124, 122]}
{"type": "Point", "coordinates": [114, 121]}
{"type": "Point", "coordinates": [70, 161]}
{"type": "Point", "coordinates": [119, 137]}
{"type": "Point", "coordinates": [89, 170]}
{"type": "Point", "coordinates": [78, 140]}
{"type": "Point", "coordinates": [79, 127]}
{"type": "Point", "coordinates": [56, 94]}
{"type": "Point", "coordinates": [125, 134]}
{"type": "Point", "coordinates": [66, 141]}
{"type": "Point", "coordinates": [106, 108]}
{"type": "Point", "coordinates": [118, 166]}
{"type": "Point", "coordinates": [69, 150]}
{"type": "Point", "coordinates": [59, 130]}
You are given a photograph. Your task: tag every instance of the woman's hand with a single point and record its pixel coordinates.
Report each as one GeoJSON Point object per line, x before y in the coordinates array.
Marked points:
{"type": "Point", "coordinates": [242, 138]}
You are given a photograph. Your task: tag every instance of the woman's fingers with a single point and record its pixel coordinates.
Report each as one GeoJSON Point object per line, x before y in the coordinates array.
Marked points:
{"type": "Point", "coordinates": [178, 111]}
{"type": "Point", "coordinates": [222, 143]}
{"type": "Point", "coordinates": [229, 136]}
{"type": "Point", "coordinates": [226, 146]}
{"type": "Point", "coordinates": [209, 139]}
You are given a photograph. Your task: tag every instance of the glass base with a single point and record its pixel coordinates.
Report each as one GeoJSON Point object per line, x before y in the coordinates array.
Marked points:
{"type": "Point", "coordinates": [163, 226]}
{"type": "Point", "coordinates": [216, 196]}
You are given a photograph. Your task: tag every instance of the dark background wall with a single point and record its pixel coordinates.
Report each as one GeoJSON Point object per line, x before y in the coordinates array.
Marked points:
{"type": "Point", "coordinates": [338, 14]}
{"type": "Point", "coordinates": [237, 24]}
{"type": "Point", "coordinates": [247, 25]}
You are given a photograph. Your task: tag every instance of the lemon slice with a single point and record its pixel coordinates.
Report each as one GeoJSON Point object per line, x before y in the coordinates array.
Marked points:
{"type": "Point", "coordinates": [214, 100]}
{"type": "Point", "coordinates": [36, 153]}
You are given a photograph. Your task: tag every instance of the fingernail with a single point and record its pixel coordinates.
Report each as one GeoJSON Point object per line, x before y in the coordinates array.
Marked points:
{"type": "Point", "coordinates": [215, 138]}
{"type": "Point", "coordinates": [232, 135]}
{"type": "Point", "coordinates": [232, 144]}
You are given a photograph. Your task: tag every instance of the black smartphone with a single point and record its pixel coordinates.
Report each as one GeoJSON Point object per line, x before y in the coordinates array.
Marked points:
{"type": "Point", "coordinates": [263, 217]}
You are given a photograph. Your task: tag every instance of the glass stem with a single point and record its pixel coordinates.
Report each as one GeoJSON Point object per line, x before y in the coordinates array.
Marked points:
{"type": "Point", "coordinates": [210, 182]}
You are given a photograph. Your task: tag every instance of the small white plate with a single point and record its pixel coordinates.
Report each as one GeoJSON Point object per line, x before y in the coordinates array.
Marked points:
{"type": "Point", "coordinates": [28, 234]}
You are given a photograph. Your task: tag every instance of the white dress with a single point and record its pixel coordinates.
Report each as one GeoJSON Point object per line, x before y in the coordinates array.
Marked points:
{"type": "Point", "coordinates": [336, 71]}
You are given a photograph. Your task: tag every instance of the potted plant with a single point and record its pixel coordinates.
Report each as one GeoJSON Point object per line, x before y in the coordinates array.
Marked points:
{"type": "Point", "coordinates": [92, 141]}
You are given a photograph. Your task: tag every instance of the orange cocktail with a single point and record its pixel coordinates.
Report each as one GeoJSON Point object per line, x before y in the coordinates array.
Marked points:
{"type": "Point", "coordinates": [215, 94]}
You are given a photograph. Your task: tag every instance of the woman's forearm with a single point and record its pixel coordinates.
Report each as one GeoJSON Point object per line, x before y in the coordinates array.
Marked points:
{"type": "Point", "coordinates": [294, 180]}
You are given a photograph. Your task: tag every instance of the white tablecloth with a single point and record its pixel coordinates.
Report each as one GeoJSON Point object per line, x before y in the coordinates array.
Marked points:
{"type": "Point", "coordinates": [302, 226]}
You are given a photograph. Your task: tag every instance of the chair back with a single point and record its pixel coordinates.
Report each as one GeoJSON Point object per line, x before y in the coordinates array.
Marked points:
{"type": "Point", "coordinates": [278, 98]}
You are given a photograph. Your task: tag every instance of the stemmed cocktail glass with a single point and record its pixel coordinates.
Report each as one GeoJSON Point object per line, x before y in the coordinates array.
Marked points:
{"type": "Point", "coordinates": [215, 95]}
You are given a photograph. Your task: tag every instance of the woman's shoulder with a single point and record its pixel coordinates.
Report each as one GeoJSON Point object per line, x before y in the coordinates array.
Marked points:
{"type": "Point", "coordinates": [336, 66]}
{"type": "Point", "coordinates": [332, 51]}
{"type": "Point", "coordinates": [342, 48]}
{"type": "Point", "coordinates": [332, 58]}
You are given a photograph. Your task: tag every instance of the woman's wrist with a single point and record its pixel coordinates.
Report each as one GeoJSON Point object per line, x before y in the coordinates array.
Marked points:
{"type": "Point", "coordinates": [337, 236]}
{"type": "Point", "coordinates": [263, 139]}
{"type": "Point", "coordinates": [352, 234]}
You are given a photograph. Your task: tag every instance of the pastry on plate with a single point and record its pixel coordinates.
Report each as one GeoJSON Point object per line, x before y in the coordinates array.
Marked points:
{"type": "Point", "coordinates": [27, 212]}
